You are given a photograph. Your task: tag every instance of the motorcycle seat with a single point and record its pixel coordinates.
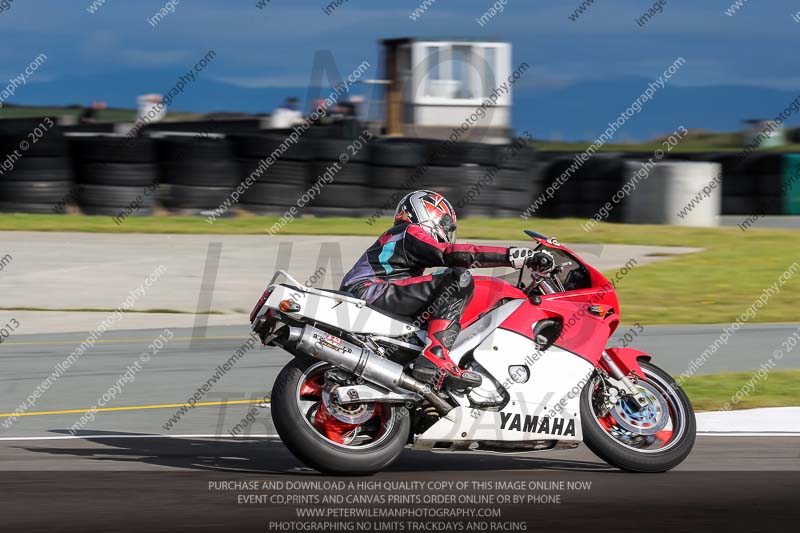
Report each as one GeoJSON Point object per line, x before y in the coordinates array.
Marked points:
{"type": "Point", "coordinates": [396, 316]}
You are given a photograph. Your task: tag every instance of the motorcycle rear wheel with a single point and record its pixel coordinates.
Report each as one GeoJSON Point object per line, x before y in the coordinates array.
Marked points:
{"type": "Point", "coordinates": [296, 415]}
{"type": "Point", "coordinates": [627, 450]}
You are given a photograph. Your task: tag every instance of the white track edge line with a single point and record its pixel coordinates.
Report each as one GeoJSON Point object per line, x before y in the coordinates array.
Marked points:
{"type": "Point", "coordinates": [265, 436]}
{"type": "Point", "coordinates": [130, 436]}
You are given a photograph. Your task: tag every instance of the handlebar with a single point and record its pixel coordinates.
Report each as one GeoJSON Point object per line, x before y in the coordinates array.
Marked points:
{"type": "Point", "coordinates": [543, 271]}
{"type": "Point", "coordinates": [542, 263]}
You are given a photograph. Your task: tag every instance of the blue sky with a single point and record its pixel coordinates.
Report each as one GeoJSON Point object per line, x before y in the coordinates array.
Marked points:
{"type": "Point", "coordinates": [274, 46]}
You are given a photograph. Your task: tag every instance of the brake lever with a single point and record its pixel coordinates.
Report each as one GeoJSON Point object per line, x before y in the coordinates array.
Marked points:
{"type": "Point", "coordinates": [536, 265]}
{"type": "Point", "coordinates": [560, 268]}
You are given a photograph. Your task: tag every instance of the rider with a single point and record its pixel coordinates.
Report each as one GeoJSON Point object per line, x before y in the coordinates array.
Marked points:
{"type": "Point", "coordinates": [389, 276]}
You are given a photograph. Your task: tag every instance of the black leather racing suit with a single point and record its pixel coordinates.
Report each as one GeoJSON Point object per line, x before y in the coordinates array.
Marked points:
{"type": "Point", "coordinates": [389, 275]}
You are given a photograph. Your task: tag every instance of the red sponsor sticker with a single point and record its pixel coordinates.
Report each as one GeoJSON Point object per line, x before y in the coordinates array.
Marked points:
{"type": "Point", "coordinates": [333, 339]}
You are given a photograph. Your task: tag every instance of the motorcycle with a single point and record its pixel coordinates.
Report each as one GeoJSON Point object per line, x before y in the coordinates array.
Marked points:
{"type": "Point", "coordinates": [349, 401]}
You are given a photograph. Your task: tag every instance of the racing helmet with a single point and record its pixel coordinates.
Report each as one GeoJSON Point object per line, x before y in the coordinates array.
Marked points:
{"type": "Point", "coordinates": [431, 211]}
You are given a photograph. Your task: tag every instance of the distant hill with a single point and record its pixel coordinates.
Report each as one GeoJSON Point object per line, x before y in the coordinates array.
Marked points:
{"type": "Point", "coordinates": [577, 112]}
{"type": "Point", "coordinates": [582, 111]}
{"type": "Point", "coordinates": [120, 89]}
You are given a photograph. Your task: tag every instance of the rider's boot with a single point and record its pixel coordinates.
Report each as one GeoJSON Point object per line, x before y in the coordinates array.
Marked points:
{"type": "Point", "coordinates": [435, 366]}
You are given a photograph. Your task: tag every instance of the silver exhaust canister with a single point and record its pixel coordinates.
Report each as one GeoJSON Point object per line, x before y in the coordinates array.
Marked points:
{"type": "Point", "coordinates": [362, 363]}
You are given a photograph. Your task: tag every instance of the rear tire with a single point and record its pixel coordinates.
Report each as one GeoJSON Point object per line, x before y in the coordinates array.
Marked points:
{"type": "Point", "coordinates": [316, 451]}
{"type": "Point", "coordinates": [615, 453]}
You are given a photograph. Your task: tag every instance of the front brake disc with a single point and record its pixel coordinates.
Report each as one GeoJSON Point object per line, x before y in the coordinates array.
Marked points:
{"type": "Point", "coordinates": [650, 419]}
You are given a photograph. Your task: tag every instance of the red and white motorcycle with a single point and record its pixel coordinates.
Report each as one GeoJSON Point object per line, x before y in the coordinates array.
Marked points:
{"type": "Point", "coordinates": [348, 403]}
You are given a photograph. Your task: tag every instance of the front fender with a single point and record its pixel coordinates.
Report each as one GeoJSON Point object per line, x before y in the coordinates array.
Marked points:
{"type": "Point", "coordinates": [627, 359]}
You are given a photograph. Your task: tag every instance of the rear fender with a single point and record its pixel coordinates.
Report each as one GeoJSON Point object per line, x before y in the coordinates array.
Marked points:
{"type": "Point", "coordinates": [627, 359]}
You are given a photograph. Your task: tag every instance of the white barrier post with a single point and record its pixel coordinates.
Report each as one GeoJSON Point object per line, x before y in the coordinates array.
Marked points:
{"type": "Point", "coordinates": [680, 193]}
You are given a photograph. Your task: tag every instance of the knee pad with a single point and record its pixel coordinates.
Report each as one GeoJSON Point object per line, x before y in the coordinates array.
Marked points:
{"type": "Point", "coordinates": [454, 293]}
{"type": "Point", "coordinates": [463, 278]}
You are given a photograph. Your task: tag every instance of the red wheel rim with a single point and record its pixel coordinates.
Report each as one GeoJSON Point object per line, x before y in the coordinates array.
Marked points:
{"type": "Point", "coordinates": [329, 426]}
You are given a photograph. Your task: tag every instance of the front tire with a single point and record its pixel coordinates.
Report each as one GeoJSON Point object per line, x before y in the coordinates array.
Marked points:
{"type": "Point", "coordinates": [620, 447]}
{"type": "Point", "coordinates": [293, 418]}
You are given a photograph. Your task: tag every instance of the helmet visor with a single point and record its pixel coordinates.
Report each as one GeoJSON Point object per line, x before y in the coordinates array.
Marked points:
{"type": "Point", "coordinates": [448, 227]}
{"type": "Point", "coordinates": [451, 234]}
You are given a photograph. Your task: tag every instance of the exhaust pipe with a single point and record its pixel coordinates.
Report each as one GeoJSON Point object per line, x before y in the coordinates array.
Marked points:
{"type": "Point", "coordinates": [362, 362]}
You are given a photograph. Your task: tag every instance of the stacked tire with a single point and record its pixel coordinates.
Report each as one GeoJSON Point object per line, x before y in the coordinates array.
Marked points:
{"type": "Point", "coordinates": [342, 168]}
{"type": "Point", "coordinates": [34, 174]}
{"type": "Point", "coordinates": [396, 166]}
{"type": "Point", "coordinates": [601, 181]}
{"type": "Point", "coordinates": [278, 185]}
{"type": "Point", "coordinates": [197, 174]}
{"type": "Point", "coordinates": [752, 184]}
{"type": "Point", "coordinates": [117, 176]}
{"type": "Point", "coordinates": [519, 179]}
{"type": "Point", "coordinates": [463, 172]}
{"type": "Point", "coordinates": [584, 191]}
{"type": "Point", "coordinates": [565, 194]}
{"type": "Point", "coordinates": [479, 179]}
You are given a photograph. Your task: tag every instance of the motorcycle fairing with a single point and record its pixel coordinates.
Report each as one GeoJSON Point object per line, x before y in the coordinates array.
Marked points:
{"type": "Point", "coordinates": [488, 293]}
{"type": "Point", "coordinates": [474, 334]}
{"type": "Point", "coordinates": [515, 424]}
{"type": "Point", "coordinates": [552, 392]}
{"type": "Point", "coordinates": [582, 334]}
{"type": "Point", "coordinates": [339, 311]}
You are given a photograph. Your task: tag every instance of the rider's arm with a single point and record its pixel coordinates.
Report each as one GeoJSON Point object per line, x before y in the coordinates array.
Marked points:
{"type": "Point", "coordinates": [420, 248]}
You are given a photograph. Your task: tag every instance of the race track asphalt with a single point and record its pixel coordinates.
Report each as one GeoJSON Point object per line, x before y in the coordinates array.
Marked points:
{"type": "Point", "coordinates": [119, 475]}
{"type": "Point", "coordinates": [183, 365]}
{"type": "Point", "coordinates": [146, 484]}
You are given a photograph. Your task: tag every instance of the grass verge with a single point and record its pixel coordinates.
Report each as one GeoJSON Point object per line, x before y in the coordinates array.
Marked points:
{"type": "Point", "coordinates": [713, 286]}
{"type": "Point", "coordinates": [781, 388]}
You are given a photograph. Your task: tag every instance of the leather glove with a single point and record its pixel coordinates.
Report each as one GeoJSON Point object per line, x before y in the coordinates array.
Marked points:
{"type": "Point", "coordinates": [518, 256]}
{"type": "Point", "coordinates": [542, 263]}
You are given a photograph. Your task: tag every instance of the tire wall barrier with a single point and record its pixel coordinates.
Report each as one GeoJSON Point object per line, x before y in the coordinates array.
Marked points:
{"type": "Point", "coordinates": [191, 174]}
{"type": "Point", "coordinates": [283, 182]}
{"type": "Point", "coordinates": [589, 188]}
{"type": "Point", "coordinates": [756, 183]}
{"type": "Point", "coordinates": [395, 166]}
{"type": "Point", "coordinates": [479, 179]}
{"type": "Point", "coordinates": [244, 125]}
{"type": "Point", "coordinates": [116, 176]}
{"type": "Point", "coordinates": [35, 174]}
{"type": "Point", "coordinates": [661, 198]}
{"type": "Point", "coordinates": [752, 184]}
{"type": "Point", "coordinates": [346, 162]}
{"type": "Point", "coordinates": [196, 174]}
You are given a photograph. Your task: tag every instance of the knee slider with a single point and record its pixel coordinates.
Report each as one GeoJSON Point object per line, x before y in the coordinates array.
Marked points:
{"type": "Point", "coordinates": [463, 277]}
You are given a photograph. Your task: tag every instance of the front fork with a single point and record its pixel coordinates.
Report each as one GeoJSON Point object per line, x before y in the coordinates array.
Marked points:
{"type": "Point", "coordinates": [635, 397]}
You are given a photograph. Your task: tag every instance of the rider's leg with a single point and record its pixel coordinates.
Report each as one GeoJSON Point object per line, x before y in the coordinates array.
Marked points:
{"type": "Point", "coordinates": [439, 300]}
{"type": "Point", "coordinates": [454, 293]}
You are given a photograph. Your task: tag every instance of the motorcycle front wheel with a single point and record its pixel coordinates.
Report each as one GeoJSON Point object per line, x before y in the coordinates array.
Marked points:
{"type": "Point", "coordinates": [322, 440]}
{"type": "Point", "coordinates": [656, 438]}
